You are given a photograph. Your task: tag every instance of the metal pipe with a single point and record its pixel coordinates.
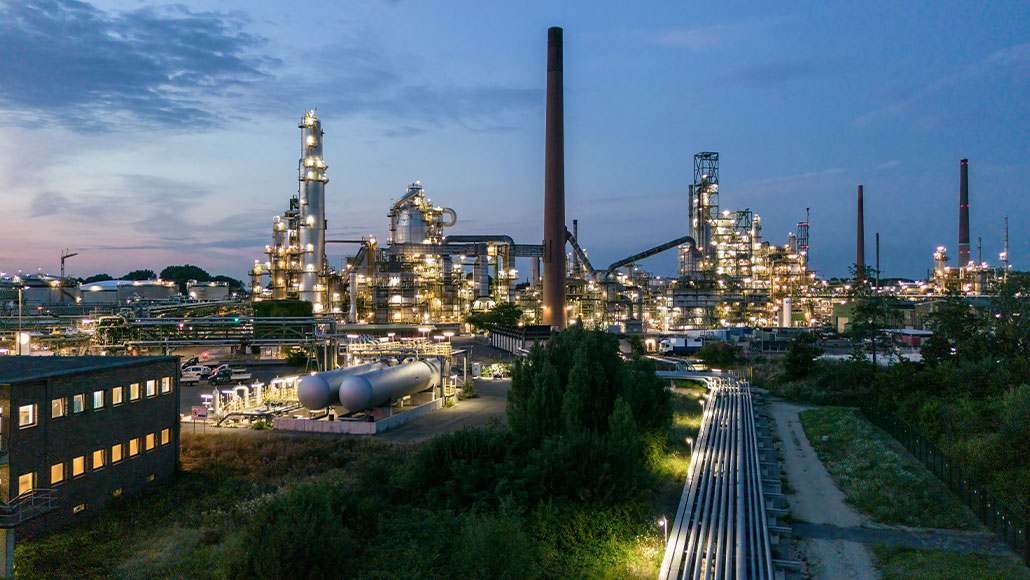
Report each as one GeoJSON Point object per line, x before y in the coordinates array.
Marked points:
{"type": "Point", "coordinates": [554, 186]}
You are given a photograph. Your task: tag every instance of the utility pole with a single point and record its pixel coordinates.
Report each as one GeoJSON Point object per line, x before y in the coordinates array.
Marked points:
{"type": "Point", "coordinates": [64, 256]}
{"type": "Point", "coordinates": [878, 262]}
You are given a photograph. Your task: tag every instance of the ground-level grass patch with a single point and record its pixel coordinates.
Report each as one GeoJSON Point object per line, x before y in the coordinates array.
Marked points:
{"type": "Point", "coordinates": [899, 563]}
{"type": "Point", "coordinates": [878, 476]}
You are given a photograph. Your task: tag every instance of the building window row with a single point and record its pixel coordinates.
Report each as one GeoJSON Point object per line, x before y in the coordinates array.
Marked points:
{"type": "Point", "coordinates": [98, 459]}
{"type": "Point", "coordinates": [64, 406]}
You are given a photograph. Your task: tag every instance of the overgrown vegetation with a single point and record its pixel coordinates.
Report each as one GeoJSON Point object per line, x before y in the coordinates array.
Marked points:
{"type": "Point", "coordinates": [900, 563]}
{"type": "Point", "coordinates": [567, 492]}
{"type": "Point", "coordinates": [877, 476]}
{"type": "Point", "coordinates": [970, 395]}
{"type": "Point", "coordinates": [718, 355]}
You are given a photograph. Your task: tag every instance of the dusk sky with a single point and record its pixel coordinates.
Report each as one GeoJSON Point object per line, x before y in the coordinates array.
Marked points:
{"type": "Point", "coordinates": [144, 134]}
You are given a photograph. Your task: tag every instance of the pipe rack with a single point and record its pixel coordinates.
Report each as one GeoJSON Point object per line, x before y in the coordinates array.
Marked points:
{"type": "Point", "coordinates": [722, 527]}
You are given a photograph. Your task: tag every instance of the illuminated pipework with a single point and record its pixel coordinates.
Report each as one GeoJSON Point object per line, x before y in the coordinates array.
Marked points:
{"type": "Point", "coordinates": [311, 222]}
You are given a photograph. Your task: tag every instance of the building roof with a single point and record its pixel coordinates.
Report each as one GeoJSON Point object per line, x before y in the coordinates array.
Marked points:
{"type": "Point", "coordinates": [17, 369]}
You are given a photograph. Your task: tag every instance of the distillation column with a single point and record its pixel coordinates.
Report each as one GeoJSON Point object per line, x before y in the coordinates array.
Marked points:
{"type": "Point", "coordinates": [311, 226]}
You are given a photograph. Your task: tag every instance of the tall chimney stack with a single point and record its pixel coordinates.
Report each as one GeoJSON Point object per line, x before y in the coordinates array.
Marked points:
{"type": "Point", "coordinates": [860, 260]}
{"type": "Point", "coordinates": [554, 187]}
{"type": "Point", "coordinates": [963, 213]}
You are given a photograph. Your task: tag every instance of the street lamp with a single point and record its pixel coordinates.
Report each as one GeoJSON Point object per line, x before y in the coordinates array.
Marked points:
{"type": "Point", "coordinates": [21, 338]}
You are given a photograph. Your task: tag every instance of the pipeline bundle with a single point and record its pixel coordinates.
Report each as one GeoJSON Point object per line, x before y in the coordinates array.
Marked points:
{"type": "Point", "coordinates": [721, 528]}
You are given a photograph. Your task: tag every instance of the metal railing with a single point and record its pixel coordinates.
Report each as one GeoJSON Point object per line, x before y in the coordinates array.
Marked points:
{"type": "Point", "coordinates": [721, 528]}
{"type": "Point", "coordinates": [1001, 519]}
{"type": "Point", "coordinates": [25, 507]}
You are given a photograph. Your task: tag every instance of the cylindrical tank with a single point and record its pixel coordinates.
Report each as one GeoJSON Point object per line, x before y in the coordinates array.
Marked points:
{"type": "Point", "coordinates": [320, 390]}
{"type": "Point", "coordinates": [359, 392]}
{"type": "Point", "coordinates": [411, 227]}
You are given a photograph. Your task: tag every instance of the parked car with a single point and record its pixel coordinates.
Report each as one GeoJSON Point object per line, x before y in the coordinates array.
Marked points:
{"type": "Point", "coordinates": [195, 374]}
{"type": "Point", "coordinates": [224, 374]}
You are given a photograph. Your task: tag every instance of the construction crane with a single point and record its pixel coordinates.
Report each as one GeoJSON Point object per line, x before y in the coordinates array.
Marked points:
{"type": "Point", "coordinates": [64, 256]}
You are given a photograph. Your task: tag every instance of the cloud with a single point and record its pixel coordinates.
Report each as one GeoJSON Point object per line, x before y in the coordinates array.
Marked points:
{"type": "Point", "coordinates": [1016, 56]}
{"type": "Point", "coordinates": [393, 84]}
{"type": "Point", "coordinates": [70, 63]}
{"type": "Point", "coordinates": [792, 179]}
{"type": "Point", "coordinates": [786, 71]}
{"type": "Point", "coordinates": [706, 38]}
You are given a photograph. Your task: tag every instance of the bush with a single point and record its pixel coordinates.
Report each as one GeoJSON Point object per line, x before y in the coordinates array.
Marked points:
{"type": "Point", "coordinates": [468, 391]}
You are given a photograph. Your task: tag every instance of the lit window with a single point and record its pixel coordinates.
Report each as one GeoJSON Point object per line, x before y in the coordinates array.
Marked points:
{"type": "Point", "coordinates": [98, 400]}
{"type": "Point", "coordinates": [166, 385]}
{"type": "Point", "coordinates": [56, 473]}
{"type": "Point", "coordinates": [151, 388]}
{"type": "Point", "coordinates": [79, 508]}
{"type": "Point", "coordinates": [134, 391]}
{"type": "Point", "coordinates": [150, 441]}
{"type": "Point", "coordinates": [58, 408]}
{"type": "Point", "coordinates": [26, 416]}
{"type": "Point", "coordinates": [78, 466]}
{"type": "Point", "coordinates": [116, 452]}
{"type": "Point", "coordinates": [98, 459]}
{"type": "Point", "coordinates": [78, 403]}
{"type": "Point", "coordinates": [116, 396]}
{"type": "Point", "coordinates": [25, 483]}
{"type": "Point", "coordinates": [166, 436]}
{"type": "Point", "coordinates": [134, 447]}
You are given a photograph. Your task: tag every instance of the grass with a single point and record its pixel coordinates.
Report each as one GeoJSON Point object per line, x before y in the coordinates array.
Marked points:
{"type": "Point", "coordinates": [898, 563]}
{"type": "Point", "coordinates": [877, 476]}
{"type": "Point", "coordinates": [200, 521]}
{"type": "Point", "coordinates": [166, 532]}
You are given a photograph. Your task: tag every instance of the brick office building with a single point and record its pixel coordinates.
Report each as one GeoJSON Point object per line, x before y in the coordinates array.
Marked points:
{"type": "Point", "coordinates": [79, 431]}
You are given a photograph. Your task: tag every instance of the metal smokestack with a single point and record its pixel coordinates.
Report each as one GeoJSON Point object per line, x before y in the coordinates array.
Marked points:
{"type": "Point", "coordinates": [963, 213]}
{"type": "Point", "coordinates": [860, 260]}
{"type": "Point", "coordinates": [554, 187]}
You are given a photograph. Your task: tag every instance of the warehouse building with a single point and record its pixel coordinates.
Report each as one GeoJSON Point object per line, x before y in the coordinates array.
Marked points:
{"type": "Point", "coordinates": [76, 432]}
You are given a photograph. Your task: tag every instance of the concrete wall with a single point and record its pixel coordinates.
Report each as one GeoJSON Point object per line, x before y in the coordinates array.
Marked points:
{"type": "Point", "coordinates": [356, 427]}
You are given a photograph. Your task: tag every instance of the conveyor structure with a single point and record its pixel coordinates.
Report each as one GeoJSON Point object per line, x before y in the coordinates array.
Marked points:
{"type": "Point", "coordinates": [725, 526]}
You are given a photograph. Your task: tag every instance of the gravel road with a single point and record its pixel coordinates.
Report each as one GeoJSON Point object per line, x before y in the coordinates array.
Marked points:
{"type": "Point", "coordinates": [815, 499]}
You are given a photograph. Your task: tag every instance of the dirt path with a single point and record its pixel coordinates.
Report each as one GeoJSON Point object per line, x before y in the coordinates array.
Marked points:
{"type": "Point", "coordinates": [815, 499]}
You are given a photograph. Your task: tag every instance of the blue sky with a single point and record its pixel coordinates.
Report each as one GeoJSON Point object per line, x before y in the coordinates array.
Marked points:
{"type": "Point", "coordinates": [146, 134]}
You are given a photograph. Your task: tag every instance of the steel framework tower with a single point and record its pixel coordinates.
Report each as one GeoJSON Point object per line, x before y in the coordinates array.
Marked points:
{"type": "Point", "coordinates": [706, 201]}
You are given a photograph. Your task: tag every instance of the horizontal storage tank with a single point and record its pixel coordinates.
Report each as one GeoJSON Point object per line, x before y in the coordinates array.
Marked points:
{"type": "Point", "coordinates": [361, 391]}
{"type": "Point", "coordinates": [320, 390]}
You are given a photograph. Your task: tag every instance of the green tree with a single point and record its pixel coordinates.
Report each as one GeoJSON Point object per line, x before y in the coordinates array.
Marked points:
{"type": "Point", "coordinates": [182, 274]}
{"type": "Point", "coordinates": [139, 275]}
{"type": "Point", "coordinates": [955, 326]}
{"type": "Point", "coordinates": [96, 278]}
{"type": "Point", "coordinates": [801, 354]}
{"type": "Point", "coordinates": [718, 354]}
{"type": "Point", "coordinates": [504, 314]}
{"type": "Point", "coordinates": [873, 312]}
